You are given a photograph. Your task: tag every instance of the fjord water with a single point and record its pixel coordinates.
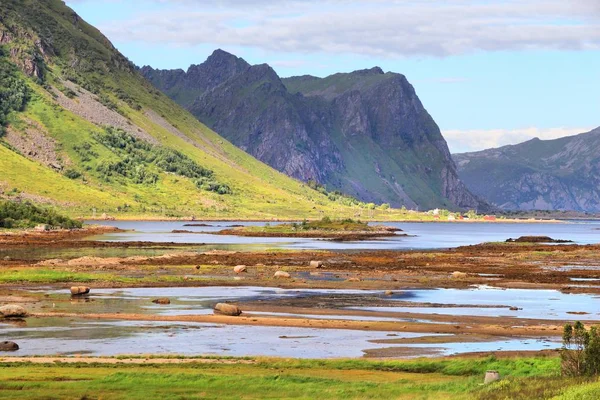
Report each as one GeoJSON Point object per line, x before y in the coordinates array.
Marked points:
{"type": "Point", "coordinates": [421, 235]}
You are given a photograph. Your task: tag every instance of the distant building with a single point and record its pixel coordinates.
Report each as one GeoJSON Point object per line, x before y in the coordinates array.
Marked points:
{"type": "Point", "coordinates": [451, 217]}
{"type": "Point", "coordinates": [489, 218]}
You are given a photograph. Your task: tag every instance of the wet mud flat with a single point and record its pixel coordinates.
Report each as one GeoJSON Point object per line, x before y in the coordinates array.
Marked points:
{"type": "Point", "coordinates": [561, 267]}
{"type": "Point", "coordinates": [487, 298]}
{"type": "Point", "coordinates": [275, 322]}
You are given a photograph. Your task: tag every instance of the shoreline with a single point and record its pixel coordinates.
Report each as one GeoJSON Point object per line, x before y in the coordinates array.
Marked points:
{"type": "Point", "coordinates": [208, 219]}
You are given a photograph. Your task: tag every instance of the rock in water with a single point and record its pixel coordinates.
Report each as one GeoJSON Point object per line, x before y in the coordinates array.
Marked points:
{"type": "Point", "coordinates": [316, 264]}
{"type": "Point", "coordinates": [12, 311]}
{"type": "Point", "coordinates": [8, 346]}
{"type": "Point", "coordinates": [79, 290]}
{"type": "Point", "coordinates": [281, 274]}
{"type": "Point", "coordinates": [238, 269]}
{"type": "Point", "coordinates": [227, 309]}
{"type": "Point", "coordinates": [162, 300]}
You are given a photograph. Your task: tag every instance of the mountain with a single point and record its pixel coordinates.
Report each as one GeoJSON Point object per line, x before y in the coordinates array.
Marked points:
{"type": "Point", "coordinates": [560, 174]}
{"type": "Point", "coordinates": [364, 133]}
{"type": "Point", "coordinates": [82, 130]}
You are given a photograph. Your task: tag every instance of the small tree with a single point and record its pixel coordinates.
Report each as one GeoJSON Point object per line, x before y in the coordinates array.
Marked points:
{"type": "Point", "coordinates": [580, 353]}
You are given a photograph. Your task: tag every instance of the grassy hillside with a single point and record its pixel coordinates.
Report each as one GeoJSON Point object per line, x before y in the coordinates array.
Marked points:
{"type": "Point", "coordinates": [86, 133]}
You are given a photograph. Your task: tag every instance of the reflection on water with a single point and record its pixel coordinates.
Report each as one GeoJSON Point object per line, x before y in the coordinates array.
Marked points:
{"type": "Point", "coordinates": [423, 235]}
{"type": "Point", "coordinates": [106, 337]}
{"type": "Point", "coordinates": [48, 336]}
{"type": "Point", "coordinates": [533, 304]}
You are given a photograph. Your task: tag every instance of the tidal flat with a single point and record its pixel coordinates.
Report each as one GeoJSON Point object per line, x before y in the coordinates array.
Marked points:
{"type": "Point", "coordinates": [435, 306]}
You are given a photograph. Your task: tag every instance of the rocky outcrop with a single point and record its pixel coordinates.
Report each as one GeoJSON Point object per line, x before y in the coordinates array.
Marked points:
{"type": "Point", "coordinates": [561, 174]}
{"type": "Point", "coordinates": [365, 133]}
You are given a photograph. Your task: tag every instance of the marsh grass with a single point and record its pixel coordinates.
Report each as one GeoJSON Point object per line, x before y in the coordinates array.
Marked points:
{"type": "Point", "coordinates": [64, 275]}
{"type": "Point", "coordinates": [265, 378]}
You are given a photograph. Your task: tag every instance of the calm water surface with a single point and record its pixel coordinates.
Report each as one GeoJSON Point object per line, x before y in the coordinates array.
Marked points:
{"type": "Point", "coordinates": [49, 336]}
{"type": "Point", "coordinates": [424, 235]}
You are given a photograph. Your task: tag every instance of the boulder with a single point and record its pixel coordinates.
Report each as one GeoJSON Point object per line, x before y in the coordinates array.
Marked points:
{"type": "Point", "coordinates": [389, 293]}
{"type": "Point", "coordinates": [459, 275]}
{"type": "Point", "coordinates": [353, 279]}
{"type": "Point", "coordinates": [491, 376]}
{"type": "Point", "coordinates": [79, 290]}
{"type": "Point", "coordinates": [281, 274]}
{"type": "Point", "coordinates": [316, 264]}
{"type": "Point", "coordinates": [42, 228]}
{"type": "Point", "coordinates": [12, 311]}
{"type": "Point", "coordinates": [162, 300]}
{"type": "Point", "coordinates": [227, 309]}
{"type": "Point", "coordinates": [8, 346]}
{"type": "Point", "coordinates": [238, 269]}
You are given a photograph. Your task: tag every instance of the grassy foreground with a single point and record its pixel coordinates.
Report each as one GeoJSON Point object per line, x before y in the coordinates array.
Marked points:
{"type": "Point", "coordinates": [524, 378]}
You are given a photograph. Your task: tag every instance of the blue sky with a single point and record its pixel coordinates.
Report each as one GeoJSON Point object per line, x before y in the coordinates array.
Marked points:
{"type": "Point", "coordinates": [490, 72]}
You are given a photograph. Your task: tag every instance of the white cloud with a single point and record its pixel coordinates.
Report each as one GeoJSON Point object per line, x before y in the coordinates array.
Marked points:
{"type": "Point", "coordinates": [461, 141]}
{"type": "Point", "coordinates": [369, 28]}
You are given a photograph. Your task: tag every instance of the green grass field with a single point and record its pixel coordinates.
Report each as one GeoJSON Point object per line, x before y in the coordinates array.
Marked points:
{"type": "Point", "coordinates": [526, 378]}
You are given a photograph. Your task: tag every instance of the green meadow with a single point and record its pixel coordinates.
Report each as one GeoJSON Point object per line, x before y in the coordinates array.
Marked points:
{"type": "Point", "coordinates": [523, 378]}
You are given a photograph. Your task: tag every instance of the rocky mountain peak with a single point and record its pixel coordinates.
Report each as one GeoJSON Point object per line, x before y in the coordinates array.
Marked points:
{"type": "Point", "coordinates": [224, 60]}
{"type": "Point", "coordinates": [369, 71]}
{"type": "Point", "coordinates": [364, 133]}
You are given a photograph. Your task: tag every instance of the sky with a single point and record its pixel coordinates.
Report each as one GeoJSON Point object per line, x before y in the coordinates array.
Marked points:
{"type": "Point", "coordinates": [490, 72]}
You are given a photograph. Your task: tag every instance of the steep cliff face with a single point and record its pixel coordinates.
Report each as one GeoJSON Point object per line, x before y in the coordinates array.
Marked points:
{"type": "Point", "coordinates": [365, 133]}
{"type": "Point", "coordinates": [561, 174]}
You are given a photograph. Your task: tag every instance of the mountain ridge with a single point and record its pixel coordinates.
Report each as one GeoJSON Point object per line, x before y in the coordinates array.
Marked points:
{"type": "Point", "coordinates": [561, 174]}
{"type": "Point", "coordinates": [335, 130]}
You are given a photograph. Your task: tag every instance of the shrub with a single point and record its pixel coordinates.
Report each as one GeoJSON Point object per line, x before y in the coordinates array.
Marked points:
{"type": "Point", "coordinates": [580, 354]}
{"type": "Point", "coordinates": [72, 174]}
{"type": "Point", "coordinates": [15, 214]}
{"type": "Point", "coordinates": [140, 161]}
{"type": "Point", "coordinates": [14, 92]}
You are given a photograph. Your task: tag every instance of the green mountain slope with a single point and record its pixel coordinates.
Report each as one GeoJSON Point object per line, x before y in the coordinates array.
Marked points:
{"type": "Point", "coordinates": [560, 174]}
{"type": "Point", "coordinates": [365, 133]}
{"type": "Point", "coordinates": [84, 131]}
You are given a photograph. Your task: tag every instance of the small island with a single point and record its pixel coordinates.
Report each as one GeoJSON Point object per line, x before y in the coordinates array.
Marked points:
{"type": "Point", "coordinates": [326, 228]}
